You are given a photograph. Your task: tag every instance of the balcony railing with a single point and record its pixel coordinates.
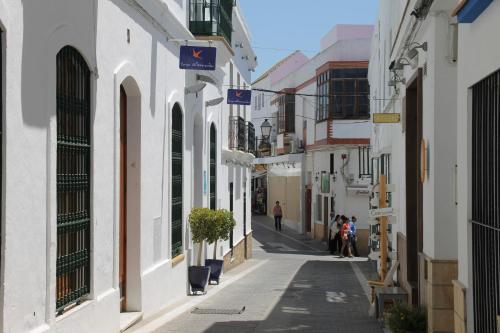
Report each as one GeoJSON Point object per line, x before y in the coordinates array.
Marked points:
{"type": "Point", "coordinates": [211, 18]}
{"type": "Point", "coordinates": [237, 133]}
{"type": "Point", "coordinates": [250, 138]}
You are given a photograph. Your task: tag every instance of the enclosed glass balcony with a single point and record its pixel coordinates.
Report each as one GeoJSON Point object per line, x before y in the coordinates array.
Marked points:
{"type": "Point", "coordinates": [211, 18]}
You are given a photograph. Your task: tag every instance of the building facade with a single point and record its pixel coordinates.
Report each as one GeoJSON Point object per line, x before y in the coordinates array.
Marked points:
{"type": "Point", "coordinates": [320, 143]}
{"type": "Point", "coordinates": [117, 145]}
{"type": "Point", "coordinates": [433, 68]}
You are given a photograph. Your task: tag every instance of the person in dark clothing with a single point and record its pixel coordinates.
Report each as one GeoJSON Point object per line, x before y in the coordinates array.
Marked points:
{"type": "Point", "coordinates": [333, 238]}
{"type": "Point", "coordinates": [278, 215]}
{"type": "Point", "coordinates": [353, 236]}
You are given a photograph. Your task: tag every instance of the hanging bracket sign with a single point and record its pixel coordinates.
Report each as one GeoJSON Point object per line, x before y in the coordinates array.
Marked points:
{"type": "Point", "coordinates": [239, 97]}
{"type": "Point", "coordinates": [386, 118]}
{"type": "Point", "coordinates": [198, 58]}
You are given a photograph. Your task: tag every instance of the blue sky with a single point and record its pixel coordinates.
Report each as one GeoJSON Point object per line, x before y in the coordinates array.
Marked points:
{"type": "Point", "coordinates": [299, 24]}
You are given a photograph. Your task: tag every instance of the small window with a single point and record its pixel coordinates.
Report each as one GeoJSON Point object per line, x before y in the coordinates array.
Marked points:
{"type": "Point", "coordinates": [364, 162]}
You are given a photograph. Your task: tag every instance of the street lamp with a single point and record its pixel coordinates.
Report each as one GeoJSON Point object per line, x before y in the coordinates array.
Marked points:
{"type": "Point", "coordinates": [266, 130]}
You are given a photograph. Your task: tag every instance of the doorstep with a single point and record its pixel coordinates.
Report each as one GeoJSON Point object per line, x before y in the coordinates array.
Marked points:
{"type": "Point", "coordinates": [127, 319]}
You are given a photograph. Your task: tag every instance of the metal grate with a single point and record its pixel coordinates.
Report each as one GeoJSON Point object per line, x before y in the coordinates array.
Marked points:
{"type": "Point", "coordinates": [250, 138]}
{"type": "Point", "coordinates": [218, 311]}
{"type": "Point", "coordinates": [73, 178]}
{"type": "Point", "coordinates": [2, 71]}
{"type": "Point", "coordinates": [177, 144]}
{"type": "Point", "coordinates": [364, 161]}
{"type": "Point", "coordinates": [237, 132]}
{"type": "Point", "coordinates": [213, 167]}
{"type": "Point", "coordinates": [486, 203]}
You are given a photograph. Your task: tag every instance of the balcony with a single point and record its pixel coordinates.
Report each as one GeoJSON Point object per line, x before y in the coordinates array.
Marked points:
{"type": "Point", "coordinates": [211, 18]}
{"type": "Point", "coordinates": [237, 133]}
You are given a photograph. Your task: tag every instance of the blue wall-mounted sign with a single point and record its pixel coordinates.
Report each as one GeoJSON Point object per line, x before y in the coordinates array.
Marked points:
{"type": "Point", "coordinates": [239, 97]}
{"type": "Point", "coordinates": [472, 9]}
{"type": "Point", "coordinates": [198, 58]}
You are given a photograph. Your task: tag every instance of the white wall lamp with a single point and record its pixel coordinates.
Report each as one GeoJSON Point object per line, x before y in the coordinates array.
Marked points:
{"type": "Point", "coordinates": [413, 52]}
{"type": "Point", "coordinates": [205, 78]}
{"type": "Point", "coordinates": [195, 88]}
{"type": "Point", "coordinates": [214, 102]}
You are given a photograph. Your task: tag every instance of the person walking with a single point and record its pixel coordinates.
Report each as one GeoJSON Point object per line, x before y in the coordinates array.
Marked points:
{"type": "Point", "coordinates": [332, 233]}
{"type": "Point", "coordinates": [337, 239]}
{"type": "Point", "coordinates": [345, 237]}
{"type": "Point", "coordinates": [353, 235]}
{"type": "Point", "coordinates": [278, 215]}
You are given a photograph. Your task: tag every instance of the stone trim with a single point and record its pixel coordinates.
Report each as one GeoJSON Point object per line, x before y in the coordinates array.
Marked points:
{"type": "Point", "coordinates": [459, 307]}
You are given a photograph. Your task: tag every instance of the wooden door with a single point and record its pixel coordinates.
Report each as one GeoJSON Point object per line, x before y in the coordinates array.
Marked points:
{"type": "Point", "coordinates": [123, 200]}
{"type": "Point", "coordinates": [308, 209]}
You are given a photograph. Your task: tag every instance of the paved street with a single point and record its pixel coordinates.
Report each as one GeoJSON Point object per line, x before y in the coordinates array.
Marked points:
{"type": "Point", "coordinates": [298, 288]}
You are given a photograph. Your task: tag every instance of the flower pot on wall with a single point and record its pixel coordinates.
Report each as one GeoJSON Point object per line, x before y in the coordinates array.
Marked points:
{"type": "Point", "coordinates": [215, 269]}
{"type": "Point", "coordinates": [198, 278]}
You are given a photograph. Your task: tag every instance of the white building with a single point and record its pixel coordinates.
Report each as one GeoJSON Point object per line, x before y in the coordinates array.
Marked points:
{"type": "Point", "coordinates": [317, 139]}
{"type": "Point", "coordinates": [477, 292]}
{"type": "Point", "coordinates": [432, 70]}
{"type": "Point", "coordinates": [104, 153]}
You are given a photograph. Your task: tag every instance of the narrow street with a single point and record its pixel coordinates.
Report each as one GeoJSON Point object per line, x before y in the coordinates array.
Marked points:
{"type": "Point", "coordinates": [298, 287]}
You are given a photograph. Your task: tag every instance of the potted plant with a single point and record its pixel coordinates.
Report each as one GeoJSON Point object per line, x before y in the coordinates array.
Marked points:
{"type": "Point", "coordinates": [402, 318]}
{"type": "Point", "coordinates": [222, 224]}
{"type": "Point", "coordinates": [200, 223]}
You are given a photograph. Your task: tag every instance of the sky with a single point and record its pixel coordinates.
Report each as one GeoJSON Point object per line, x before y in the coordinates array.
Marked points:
{"type": "Point", "coordinates": [290, 25]}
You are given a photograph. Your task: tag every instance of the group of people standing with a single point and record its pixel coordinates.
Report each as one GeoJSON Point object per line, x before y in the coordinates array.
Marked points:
{"type": "Point", "coordinates": [342, 236]}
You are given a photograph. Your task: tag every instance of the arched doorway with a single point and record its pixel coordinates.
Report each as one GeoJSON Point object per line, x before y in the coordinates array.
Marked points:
{"type": "Point", "coordinates": [129, 169]}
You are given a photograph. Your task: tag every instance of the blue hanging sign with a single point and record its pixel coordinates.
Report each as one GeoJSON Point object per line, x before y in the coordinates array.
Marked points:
{"type": "Point", "coordinates": [239, 97]}
{"type": "Point", "coordinates": [198, 58]}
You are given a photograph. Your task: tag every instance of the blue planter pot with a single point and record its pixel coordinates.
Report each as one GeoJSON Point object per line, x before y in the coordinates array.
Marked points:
{"type": "Point", "coordinates": [215, 269]}
{"type": "Point", "coordinates": [198, 278]}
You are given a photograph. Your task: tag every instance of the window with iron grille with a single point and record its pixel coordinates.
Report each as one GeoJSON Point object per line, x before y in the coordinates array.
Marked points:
{"type": "Point", "coordinates": [213, 167]}
{"type": "Point", "coordinates": [286, 114]}
{"type": "Point", "coordinates": [486, 203]}
{"type": "Point", "coordinates": [250, 138]}
{"type": "Point", "coordinates": [364, 162]}
{"type": "Point", "coordinates": [177, 179]}
{"type": "Point", "coordinates": [2, 73]}
{"type": "Point", "coordinates": [343, 94]}
{"type": "Point", "coordinates": [73, 178]}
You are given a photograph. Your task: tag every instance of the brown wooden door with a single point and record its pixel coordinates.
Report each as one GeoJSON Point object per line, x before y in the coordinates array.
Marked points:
{"type": "Point", "coordinates": [123, 199]}
{"type": "Point", "coordinates": [308, 209]}
{"type": "Point", "coordinates": [325, 218]}
{"type": "Point", "coordinates": [414, 187]}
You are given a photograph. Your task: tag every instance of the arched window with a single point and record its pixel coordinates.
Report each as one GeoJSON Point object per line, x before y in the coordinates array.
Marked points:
{"type": "Point", "coordinates": [73, 178]}
{"type": "Point", "coordinates": [177, 150]}
{"type": "Point", "coordinates": [213, 167]}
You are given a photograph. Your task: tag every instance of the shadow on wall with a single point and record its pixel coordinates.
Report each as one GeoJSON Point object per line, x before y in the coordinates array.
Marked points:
{"type": "Point", "coordinates": [42, 40]}
{"type": "Point", "coordinates": [322, 297]}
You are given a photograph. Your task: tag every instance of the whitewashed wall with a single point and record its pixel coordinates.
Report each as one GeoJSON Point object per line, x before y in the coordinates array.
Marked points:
{"type": "Point", "coordinates": [477, 58]}
{"type": "Point", "coordinates": [148, 68]}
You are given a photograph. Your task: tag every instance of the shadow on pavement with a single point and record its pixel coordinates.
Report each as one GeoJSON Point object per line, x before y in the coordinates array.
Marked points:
{"type": "Point", "coordinates": [285, 242]}
{"type": "Point", "coordinates": [322, 297]}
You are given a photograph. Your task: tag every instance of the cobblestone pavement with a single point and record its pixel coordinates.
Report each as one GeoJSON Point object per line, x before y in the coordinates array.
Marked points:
{"type": "Point", "coordinates": [300, 288]}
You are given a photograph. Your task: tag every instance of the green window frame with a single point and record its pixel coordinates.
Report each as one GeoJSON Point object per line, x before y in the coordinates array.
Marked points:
{"type": "Point", "coordinates": [213, 167]}
{"type": "Point", "coordinates": [73, 178]}
{"type": "Point", "coordinates": [177, 180]}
